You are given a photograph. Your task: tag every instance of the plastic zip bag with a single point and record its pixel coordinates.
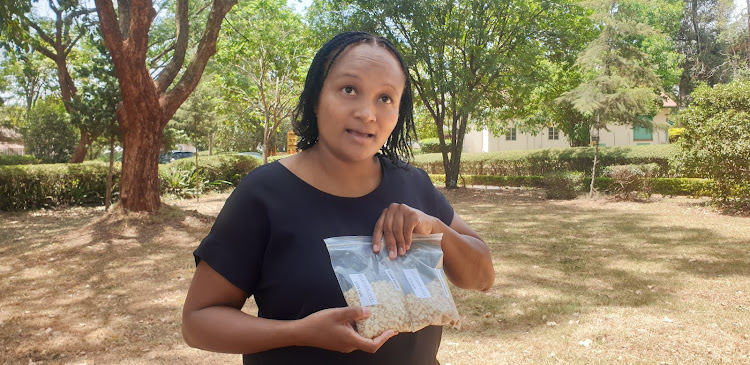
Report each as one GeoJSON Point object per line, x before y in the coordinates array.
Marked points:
{"type": "Point", "coordinates": [405, 294]}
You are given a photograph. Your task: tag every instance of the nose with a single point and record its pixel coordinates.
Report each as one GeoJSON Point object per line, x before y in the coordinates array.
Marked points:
{"type": "Point", "coordinates": [365, 112]}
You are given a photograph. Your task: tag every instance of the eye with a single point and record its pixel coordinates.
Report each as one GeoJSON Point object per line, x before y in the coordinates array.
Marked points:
{"type": "Point", "coordinates": [348, 90]}
{"type": "Point", "coordinates": [386, 99]}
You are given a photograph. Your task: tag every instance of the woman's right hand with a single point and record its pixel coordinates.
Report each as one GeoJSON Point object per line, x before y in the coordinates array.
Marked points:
{"type": "Point", "coordinates": [333, 329]}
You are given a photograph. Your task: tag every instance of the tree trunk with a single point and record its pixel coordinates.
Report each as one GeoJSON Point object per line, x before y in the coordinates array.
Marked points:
{"type": "Point", "coordinates": [197, 176]}
{"type": "Point", "coordinates": [139, 184]}
{"type": "Point", "coordinates": [211, 143]}
{"type": "Point", "coordinates": [596, 157]}
{"type": "Point", "coordinates": [148, 104]}
{"type": "Point", "coordinates": [79, 154]}
{"type": "Point", "coordinates": [108, 198]}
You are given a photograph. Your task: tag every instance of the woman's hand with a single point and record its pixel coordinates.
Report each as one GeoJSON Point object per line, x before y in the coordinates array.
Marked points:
{"type": "Point", "coordinates": [333, 329]}
{"type": "Point", "coordinates": [396, 225]}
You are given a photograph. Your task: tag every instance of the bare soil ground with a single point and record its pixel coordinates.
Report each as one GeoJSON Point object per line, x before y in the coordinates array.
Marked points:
{"type": "Point", "coordinates": [582, 281]}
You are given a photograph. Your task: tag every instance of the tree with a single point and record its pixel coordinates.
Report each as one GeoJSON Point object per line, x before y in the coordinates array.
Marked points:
{"type": "Point", "coordinates": [262, 57]}
{"type": "Point", "coordinates": [471, 60]}
{"type": "Point", "coordinates": [699, 43]}
{"type": "Point", "coordinates": [56, 39]}
{"type": "Point", "coordinates": [622, 86]}
{"type": "Point", "coordinates": [95, 108]}
{"type": "Point", "coordinates": [716, 141]}
{"type": "Point", "coordinates": [148, 103]}
{"type": "Point", "coordinates": [197, 118]}
{"type": "Point", "coordinates": [49, 136]}
{"type": "Point", "coordinates": [29, 75]}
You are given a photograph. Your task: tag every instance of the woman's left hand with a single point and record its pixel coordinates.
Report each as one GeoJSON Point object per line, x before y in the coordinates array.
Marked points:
{"type": "Point", "coordinates": [396, 225]}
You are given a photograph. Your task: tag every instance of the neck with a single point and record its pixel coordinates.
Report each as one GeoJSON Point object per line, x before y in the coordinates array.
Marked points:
{"type": "Point", "coordinates": [344, 178]}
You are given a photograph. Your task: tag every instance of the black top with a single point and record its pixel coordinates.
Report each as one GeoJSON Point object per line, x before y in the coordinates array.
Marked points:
{"type": "Point", "coordinates": [268, 241]}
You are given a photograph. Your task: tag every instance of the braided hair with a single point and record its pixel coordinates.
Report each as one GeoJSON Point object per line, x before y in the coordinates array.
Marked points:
{"type": "Point", "coordinates": [398, 145]}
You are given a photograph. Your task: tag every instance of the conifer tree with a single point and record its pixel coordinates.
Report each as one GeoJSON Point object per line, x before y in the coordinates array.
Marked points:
{"type": "Point", "coordinates": [621, 85]}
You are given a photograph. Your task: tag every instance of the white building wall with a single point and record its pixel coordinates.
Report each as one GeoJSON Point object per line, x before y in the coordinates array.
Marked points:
{"type": "Point", "coordinates": [617, 135]}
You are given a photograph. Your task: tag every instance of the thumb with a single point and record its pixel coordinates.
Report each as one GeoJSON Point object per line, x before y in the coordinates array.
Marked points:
{"type": "Point", "coordinates": [354, 313]}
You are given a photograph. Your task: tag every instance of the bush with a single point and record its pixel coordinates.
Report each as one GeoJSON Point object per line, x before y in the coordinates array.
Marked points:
{"type": "Point", "coordinates": [542, 161]}
{"type": "Point", "coordinates": [50, 136]}
{"type": "Point", "coordinates": [663, 186]}
{"type": "Point", "coordinates": [563, 184]}
{"type": "Point", "coordinates": [674, 134]}
{"type": "Point", "coordinates": [6, 160]}
{"type": "Point", "coordinates": [44, 186]}
{"type": "Point", "coordinates": [492, 180]}
{"type": "Point", "coordinates": [431, 145]}
{"type": "Point", "coordinates": [219, 171]}
{"type": "Point", "coordinates": [716, 142]}
{"type": "Point", "coordinates": [630, 180]}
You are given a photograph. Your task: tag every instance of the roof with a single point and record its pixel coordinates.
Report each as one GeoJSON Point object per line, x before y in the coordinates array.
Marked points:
{"type": "Point", "coordinates": [10, 135]}
{"type": "Point", "coordinates": [668, 102]}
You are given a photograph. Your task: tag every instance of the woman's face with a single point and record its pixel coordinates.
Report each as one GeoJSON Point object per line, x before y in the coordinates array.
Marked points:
{"type": "Point", "coordinates": [358, 106]}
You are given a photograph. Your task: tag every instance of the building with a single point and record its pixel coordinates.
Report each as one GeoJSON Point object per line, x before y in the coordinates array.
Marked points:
{"type": "Point", "coordinates": [617, 135]}
{"type": "Point", "coordinates": [11, 142]}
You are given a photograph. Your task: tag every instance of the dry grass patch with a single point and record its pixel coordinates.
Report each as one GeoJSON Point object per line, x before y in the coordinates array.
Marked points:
{"type": "Point", "coordinates": [665, 281]}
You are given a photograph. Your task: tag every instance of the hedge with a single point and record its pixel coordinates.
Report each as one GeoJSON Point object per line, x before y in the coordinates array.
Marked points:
{"type": "Point", "coordinates": [542, 161]}
{"type": "Point", "coordinates": [18, 160]}
{"type": "Point", "coordinates": [50, 185]}
{"type": "Point", "coordinates": [663, 186]}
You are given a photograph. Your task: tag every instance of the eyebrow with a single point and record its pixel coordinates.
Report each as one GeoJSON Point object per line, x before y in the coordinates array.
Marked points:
{"type": "Point", "coordinates": [354, 76]}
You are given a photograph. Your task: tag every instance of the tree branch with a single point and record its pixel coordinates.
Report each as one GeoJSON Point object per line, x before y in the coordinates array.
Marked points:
{"type": "Point", "coordinates": [180, 48]}
{"type": "Point", "coordinates": [160, 55]}
{"type": "Point", "coordinates": [39, 31]}
{"type": "Point", "coordinates": [73, 43]}
{"type": "Point", "coordinates": [172, 100]}
{"type": "Point", "coordinates": [110, 29]}
{"type": "Point", "coordinates": [142, 14]}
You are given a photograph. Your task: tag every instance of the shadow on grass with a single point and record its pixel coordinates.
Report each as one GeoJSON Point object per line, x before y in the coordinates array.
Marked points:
{"type": "Point", "coordinates": [555, 260]}
{"type": "Point", "coordinates": [82, 285]}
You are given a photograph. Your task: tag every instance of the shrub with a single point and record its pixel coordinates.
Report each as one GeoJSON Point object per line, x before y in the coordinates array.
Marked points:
{"type": "Point", "coordinates": [44, 186]}
{"type": "Point", "coordinates": [542, 161]}
{"type": "Point", "coordinates": [430, 145]}
{"type": "Point", "coordinates": [50, 136]}
{"type": "Point", "coordinates": [716, 142]}
{"type": "Point", "coordinates": [492, 180]}
{"type": "Point", "coordinates": [230, 168]}
{"type": "Point", "coordinates": [563, 184]}
{"type": "Point", "coordinates": [674, 134]}
{"type": "Point", "coordinates": [6, 160]}
{"type": "Point", "coordinates": [630, 180]}
{"type": "Point", "coordinates": [663, 186]}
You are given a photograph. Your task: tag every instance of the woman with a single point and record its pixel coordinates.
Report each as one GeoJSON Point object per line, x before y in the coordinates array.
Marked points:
{"type": "Point", "coordinates": [354, 121]}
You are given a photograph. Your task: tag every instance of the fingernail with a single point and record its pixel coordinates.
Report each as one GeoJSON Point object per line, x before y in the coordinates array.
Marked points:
{"type": "Point", "coordinates": [392, 254]}
{"type": "Point", "coordinates": [375, 248]}
{"type": "Point", "coordinates": [401, 251]}
{"type": "Point", "coordinates": [366, 311]}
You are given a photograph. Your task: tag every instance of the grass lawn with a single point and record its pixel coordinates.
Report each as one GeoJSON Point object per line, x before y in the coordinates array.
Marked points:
{"type": "Point", "coordinates": [583, 281]}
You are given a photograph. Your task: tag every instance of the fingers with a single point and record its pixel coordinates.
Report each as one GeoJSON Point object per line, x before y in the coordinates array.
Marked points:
{"type": "Point", "coordinates": [393, 228]}
{"type": "Point", "coordinates": [372, 345]}
{"type": "Point", "coordinates": [352, 313]}
{"type": "Point", "coordinates": [377, 235]}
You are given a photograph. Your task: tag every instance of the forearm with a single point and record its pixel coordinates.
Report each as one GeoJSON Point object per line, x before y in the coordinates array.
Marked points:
{"type": "Point", "coordinates": [229, 330]}
{"type": "Point", "coordinates": [467, 261]}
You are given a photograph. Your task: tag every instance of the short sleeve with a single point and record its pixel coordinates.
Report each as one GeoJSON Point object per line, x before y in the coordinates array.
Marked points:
{"type": "Point", "coordinates": [238, 239]}
{"type": "Point", "coordinates": [443, 209]}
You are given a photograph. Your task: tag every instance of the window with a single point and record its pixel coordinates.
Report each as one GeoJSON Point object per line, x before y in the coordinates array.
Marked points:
{"type": "Point", "coordinates": [642, 134]}
{"type": "Point", "coordinates": [553, 133]}
{"type": "Point", "coordinates": [510, 134]}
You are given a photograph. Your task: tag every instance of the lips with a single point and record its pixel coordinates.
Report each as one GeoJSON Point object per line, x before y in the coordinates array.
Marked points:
{"type": "Point", "coordinates": [360, 134]}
